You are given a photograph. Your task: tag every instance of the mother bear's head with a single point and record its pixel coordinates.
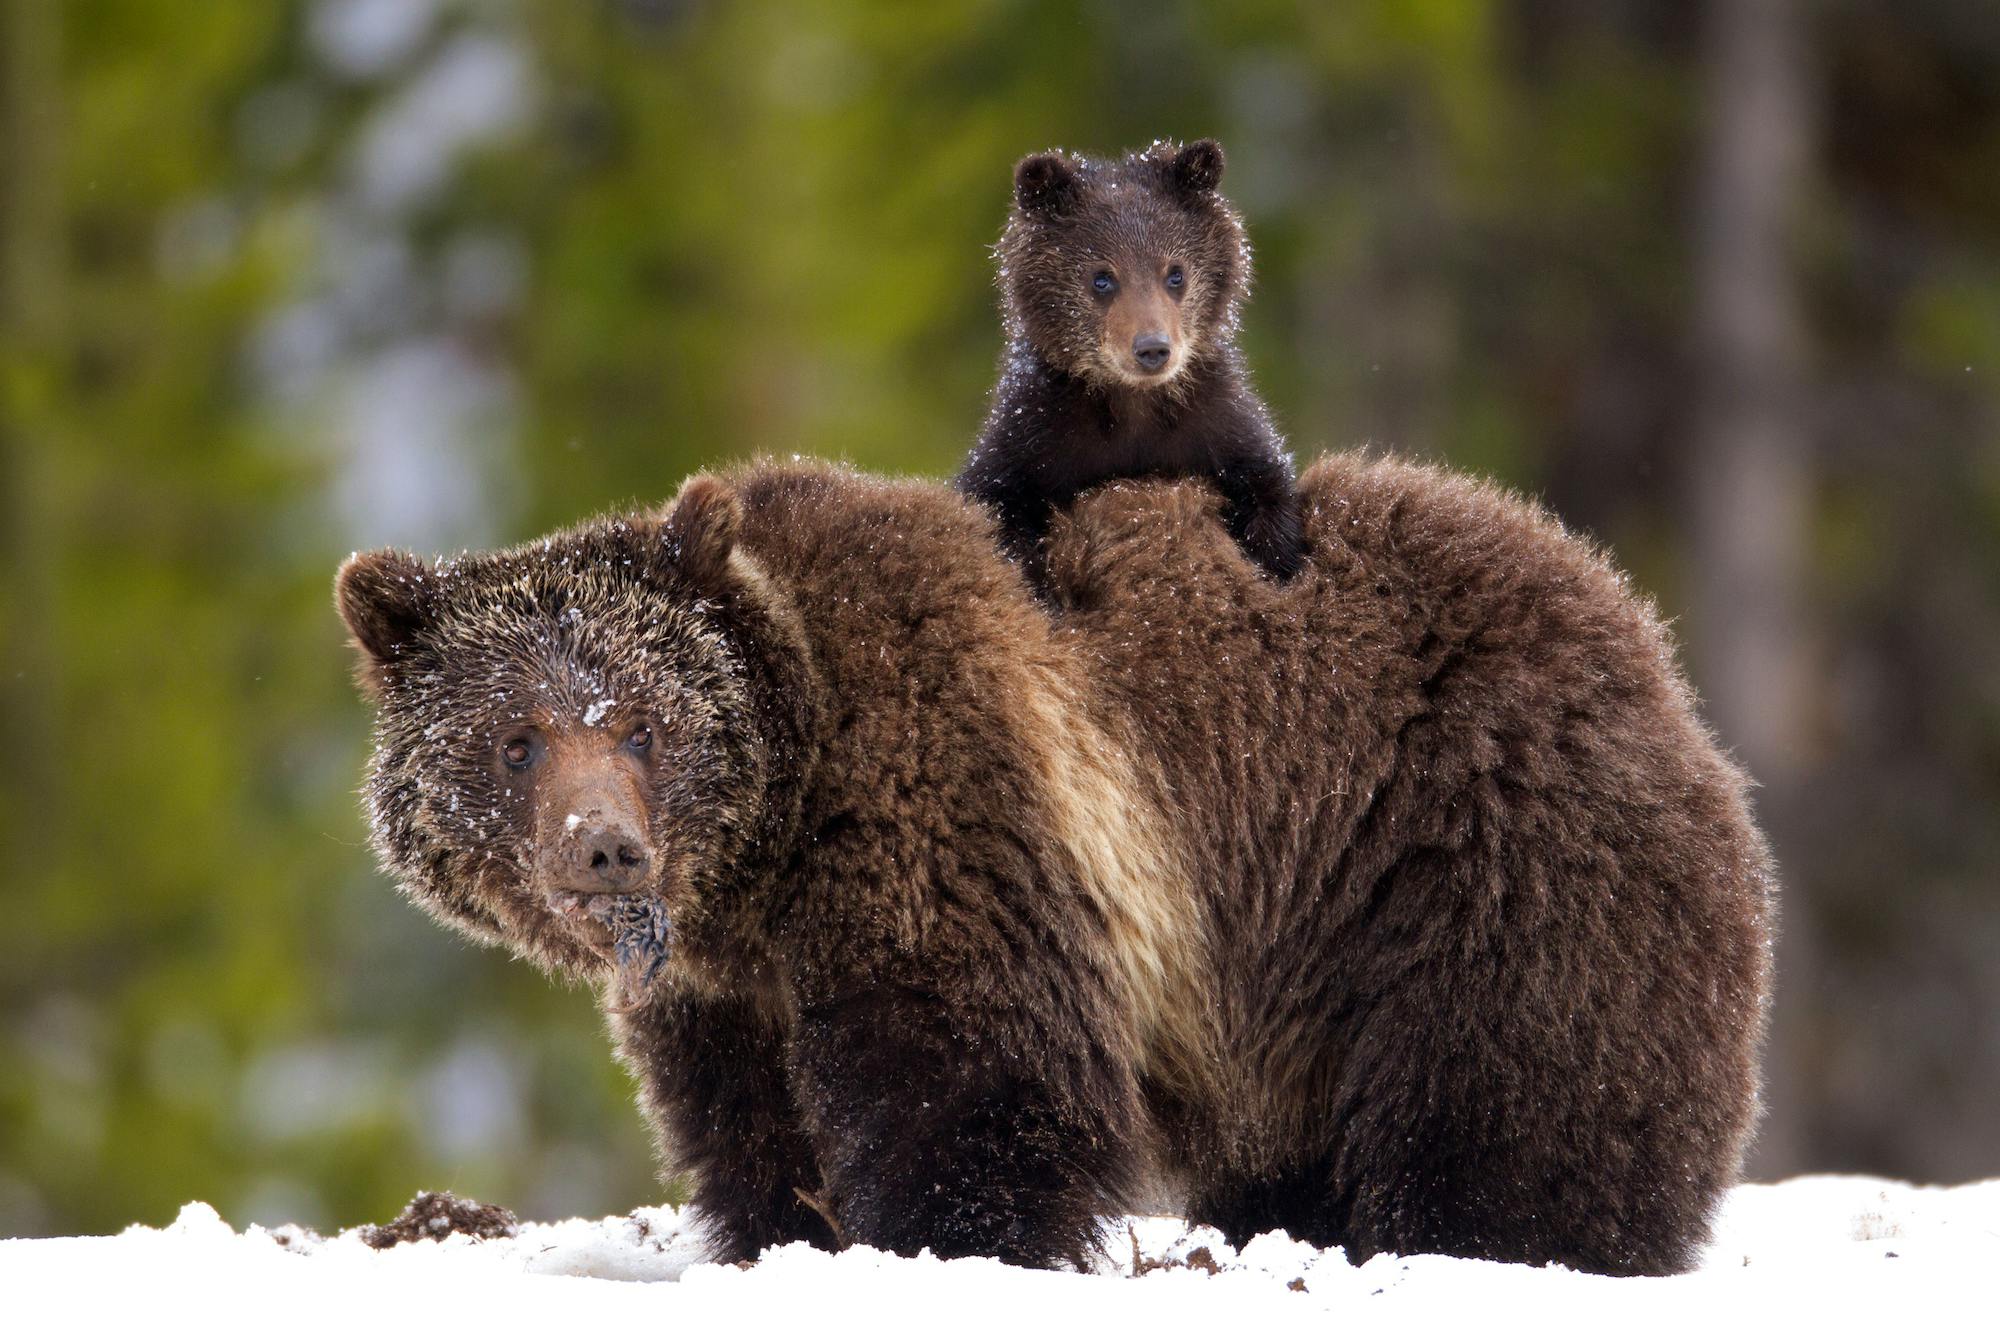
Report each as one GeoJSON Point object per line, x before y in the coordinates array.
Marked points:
{"type": "Point", "coordinates": [570, 729]}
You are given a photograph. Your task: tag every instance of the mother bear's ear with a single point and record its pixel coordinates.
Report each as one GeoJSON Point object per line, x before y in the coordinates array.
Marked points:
{"type": "Point", "coordinates": [387, 599]}
{"type": "Point", "coordinates": [700, 529]}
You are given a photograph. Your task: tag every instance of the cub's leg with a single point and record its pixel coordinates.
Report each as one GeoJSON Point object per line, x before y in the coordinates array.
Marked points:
{"type": "Point", "coordinates": [936, 1131]}
{"type": "Point", "coordinates": [1264, 513]}
{"type": "Point", "coordinates": [712, 1075]}
{"type": "Point", "coordinates": [1022, 515]}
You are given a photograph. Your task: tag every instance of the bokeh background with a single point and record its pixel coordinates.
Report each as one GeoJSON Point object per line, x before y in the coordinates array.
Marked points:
{"type": "Point", "coordinates": [1719, 281]}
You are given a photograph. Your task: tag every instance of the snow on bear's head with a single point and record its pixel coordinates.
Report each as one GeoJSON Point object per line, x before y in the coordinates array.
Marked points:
{"type": "Point", "coordinates": [566, 751]}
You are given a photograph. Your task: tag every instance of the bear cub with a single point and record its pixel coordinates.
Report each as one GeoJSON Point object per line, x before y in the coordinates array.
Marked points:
{"type": "Point", "coordinates": [1120, 285]}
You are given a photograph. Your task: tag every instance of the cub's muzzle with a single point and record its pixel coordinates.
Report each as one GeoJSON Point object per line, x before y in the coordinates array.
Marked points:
{"type": "Point", "coordinates": [1151, 351]}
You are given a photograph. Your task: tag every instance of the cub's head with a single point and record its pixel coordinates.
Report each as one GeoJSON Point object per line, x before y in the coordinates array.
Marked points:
{"type": "Point", "coordinates": [567, 730]}
{"type": "Point", "coordinates": [1126, 272]}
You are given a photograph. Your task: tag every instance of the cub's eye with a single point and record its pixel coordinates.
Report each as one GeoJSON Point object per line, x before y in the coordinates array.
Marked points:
{"type": "Point", "coordinates": [641, 737]}
{"type": "Point", "coordinates": [1175, 278]}
{"type": "Point", "coordinates": [517, 752]}
{"type": "Point", "coordinates": [1103, 284]}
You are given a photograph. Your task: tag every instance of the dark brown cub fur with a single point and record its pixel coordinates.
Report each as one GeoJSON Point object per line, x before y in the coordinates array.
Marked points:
{"type": "Point", "coordinates": [1406, 905]}
{"type": "Point", "coordinates": [1121, 283]}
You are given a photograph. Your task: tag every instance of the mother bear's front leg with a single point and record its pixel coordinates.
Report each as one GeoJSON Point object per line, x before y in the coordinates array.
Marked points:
{"type": "Point", "coordinates": [713, 1074]}
{"type": "Point", "coordinates": [941, 1126]}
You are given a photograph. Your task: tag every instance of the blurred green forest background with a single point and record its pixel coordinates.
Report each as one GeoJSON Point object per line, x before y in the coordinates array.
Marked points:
{"type": "Point", "coordinates": [1720, 282]}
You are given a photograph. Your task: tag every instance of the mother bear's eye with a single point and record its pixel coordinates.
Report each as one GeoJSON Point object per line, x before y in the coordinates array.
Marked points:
{"type": "Point", "coordinates": [1103, 283]}
{"type": "Point", "coordinates": [517, 752]}
{"type": "Point", "coordinates": [641, 737]}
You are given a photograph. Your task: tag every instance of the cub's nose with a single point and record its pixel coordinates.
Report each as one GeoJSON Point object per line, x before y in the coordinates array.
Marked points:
{"type": "Point", "coordinates": [1151, 350]}
{"type": "Point", "coordinates": [607, 856]}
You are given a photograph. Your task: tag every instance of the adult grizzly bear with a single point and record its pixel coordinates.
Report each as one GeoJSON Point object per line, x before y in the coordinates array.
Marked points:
{"type": "Point", "coordinates": [1406, 905]}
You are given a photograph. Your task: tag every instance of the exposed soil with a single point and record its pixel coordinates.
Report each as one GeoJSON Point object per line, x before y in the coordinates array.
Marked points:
{"type": "Point", "coordinates": [1200, 1259]}
{"type": "Point", "coordinates": [435, 1214]}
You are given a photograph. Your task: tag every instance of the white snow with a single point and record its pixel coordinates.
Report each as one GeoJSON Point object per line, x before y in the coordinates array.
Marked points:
{"type": "Point", "coordinates": [598, 708]}
{"type": "Point", "coordinates": [1820, 1251]}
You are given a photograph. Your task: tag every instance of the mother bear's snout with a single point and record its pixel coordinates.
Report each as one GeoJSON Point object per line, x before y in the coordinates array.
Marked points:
{"type": "Point", "coordinates": [605, 855]}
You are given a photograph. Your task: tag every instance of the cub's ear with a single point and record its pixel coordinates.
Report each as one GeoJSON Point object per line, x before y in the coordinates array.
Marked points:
{"type": "Point", "coordinates": [1196, 169]}
{"type": "Point", "coordinates": [701, 528]}
{"type": "Point", "coordinates": [386, 598]}
{"type": "Point", "coordinates": [1046, 185]}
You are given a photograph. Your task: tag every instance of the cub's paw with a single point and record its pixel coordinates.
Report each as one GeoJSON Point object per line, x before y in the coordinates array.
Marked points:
{"type": "Point", "coordinates": [1274, 537]}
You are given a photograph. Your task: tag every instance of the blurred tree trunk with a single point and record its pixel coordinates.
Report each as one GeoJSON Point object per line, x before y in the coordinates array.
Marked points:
{"type": "Point", "coordinates": [1749, 475]}
{"type": "Point", "coordinates": [31, 250]}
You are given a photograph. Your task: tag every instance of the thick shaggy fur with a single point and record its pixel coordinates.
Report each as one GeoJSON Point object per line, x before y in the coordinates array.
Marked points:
{"type": "Point", "coordinates": [1405, 905]}
{"type": "Point", "coordinates": [1074, 407]}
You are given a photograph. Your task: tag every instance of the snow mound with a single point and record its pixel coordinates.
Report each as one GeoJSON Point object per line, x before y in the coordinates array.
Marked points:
{"type": "Point", "coordinates": [1841, 1249]}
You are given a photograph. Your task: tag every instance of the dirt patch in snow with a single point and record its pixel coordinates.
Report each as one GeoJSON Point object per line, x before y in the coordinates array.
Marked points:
{"type": "Point", "coordinates": [435, 1214]}
{"type": "Point", "coordinates": [1201, 1259]}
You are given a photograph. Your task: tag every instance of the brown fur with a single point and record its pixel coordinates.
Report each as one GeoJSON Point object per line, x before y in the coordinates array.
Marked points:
{"type": "Point", "coordinates": [1406, 905]}
{"type": "Point", "coordinates": [1099, 255]}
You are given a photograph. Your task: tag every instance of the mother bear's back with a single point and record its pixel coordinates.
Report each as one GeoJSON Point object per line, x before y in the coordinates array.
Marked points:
{"type": "Point", "coordinates": [1487, 910]}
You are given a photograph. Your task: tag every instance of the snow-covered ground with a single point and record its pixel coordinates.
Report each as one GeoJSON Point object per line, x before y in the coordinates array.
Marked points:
{"type": "Point", "coordinates": [1820, 1251]}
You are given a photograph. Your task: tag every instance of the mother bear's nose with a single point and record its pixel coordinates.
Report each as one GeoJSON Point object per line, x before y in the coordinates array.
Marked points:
{"type": "Point", "coordinates": [606, 855]}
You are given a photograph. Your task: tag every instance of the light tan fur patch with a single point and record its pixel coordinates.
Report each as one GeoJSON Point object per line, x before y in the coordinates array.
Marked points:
{"type": "Point", "coordinates": [1132, 863]}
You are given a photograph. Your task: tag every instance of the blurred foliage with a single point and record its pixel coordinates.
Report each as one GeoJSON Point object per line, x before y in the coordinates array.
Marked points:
{"type": "Point", "coordinates": [285, 279]}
